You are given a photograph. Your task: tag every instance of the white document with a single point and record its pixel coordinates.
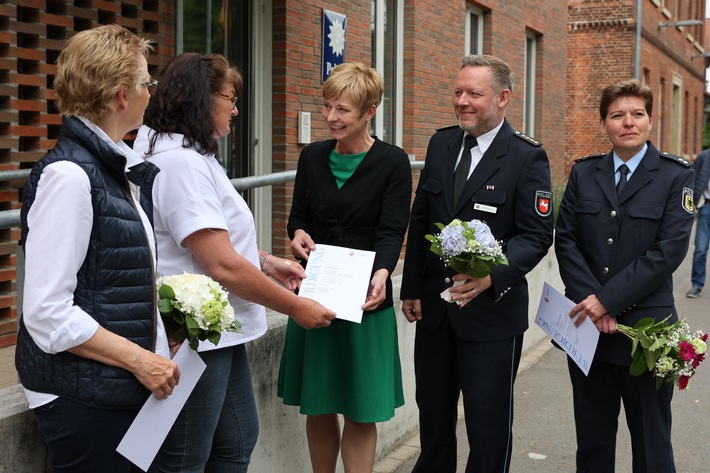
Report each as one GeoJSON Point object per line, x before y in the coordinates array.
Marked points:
{"type": "Point", "coordinates": [338, 278]}
{"type": "Point", "coordinates": [580, 343]}
{"type": "Point", "coordinates": [149, 429]}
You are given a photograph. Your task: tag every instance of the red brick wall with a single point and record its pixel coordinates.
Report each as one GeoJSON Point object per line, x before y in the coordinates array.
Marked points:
{"type": "Point", "coordinates": [433, 46]}
{"type": "Point", "coordinates": [297, 84]}
{"type": "Point", "coordinates": [583, 45]}
{"type": "Point", "coordinates": [32, 33]}
{"type": "Point", "coordinates": [601, 50]}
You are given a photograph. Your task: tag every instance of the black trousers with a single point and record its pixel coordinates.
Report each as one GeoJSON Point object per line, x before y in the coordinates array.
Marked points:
{"type": "Point", "coordinates": [484, 372]}
{"type": "Point", "coordinates": [83, 439]}
{"type": "Point", "coordinates": [597, 404]}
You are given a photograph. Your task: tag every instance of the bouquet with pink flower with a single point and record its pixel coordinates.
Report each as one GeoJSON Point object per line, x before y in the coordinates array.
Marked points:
{"type": "Point", "coordinates": [670, 351]}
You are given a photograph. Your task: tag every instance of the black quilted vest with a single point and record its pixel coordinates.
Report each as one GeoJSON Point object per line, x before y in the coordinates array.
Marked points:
{"type": "Point", "coordinates": [116, 283]}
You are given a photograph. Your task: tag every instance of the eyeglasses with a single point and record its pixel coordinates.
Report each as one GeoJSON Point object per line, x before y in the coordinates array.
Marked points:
{"type": "Point", "coordinates": [231, 98]}
{"type": "Point", "coordinates": [150, 83]}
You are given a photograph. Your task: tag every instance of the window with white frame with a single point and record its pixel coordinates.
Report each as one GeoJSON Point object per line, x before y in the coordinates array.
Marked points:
{"type": "Point", "coordinates": [676, 122]}
{"type": "Point", "coordinates": [530, 75]}
{"type": "Point", "coordinates": [387, 34]}
{"type": "Point", "coordinates": [474, 30]}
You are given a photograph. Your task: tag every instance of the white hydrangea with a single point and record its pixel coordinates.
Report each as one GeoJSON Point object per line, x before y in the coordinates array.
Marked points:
{"type": "Point", "coordinates": [201, 297]}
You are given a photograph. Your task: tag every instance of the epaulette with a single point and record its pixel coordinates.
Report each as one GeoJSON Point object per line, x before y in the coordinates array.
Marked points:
{"type": "Point", "coordinates": [447, 127]}
{"type": "Point", "coordinates": [530, 140]}
{"type": "Point", "coordinates": [677, 159]}
{"type": "Point", "coordinates": [600, 155]}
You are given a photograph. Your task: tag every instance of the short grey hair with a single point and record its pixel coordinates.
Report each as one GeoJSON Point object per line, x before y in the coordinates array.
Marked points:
{"type": "Point", "coordinates": [501, 73]}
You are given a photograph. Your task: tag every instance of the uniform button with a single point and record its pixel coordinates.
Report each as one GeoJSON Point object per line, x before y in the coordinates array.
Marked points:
{"type": "Point", "coordinates": [609, 241]}
{"type": "Point", "coordinates": [605, 270]}
{"type": "Point", "coordinates": [613, 213]}
{"type": "Point", "coordinates": [447, 280]}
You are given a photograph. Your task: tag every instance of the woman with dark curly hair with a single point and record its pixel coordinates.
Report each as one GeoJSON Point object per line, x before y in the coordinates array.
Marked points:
{"type": "Point", "coordinates": [203, 226]}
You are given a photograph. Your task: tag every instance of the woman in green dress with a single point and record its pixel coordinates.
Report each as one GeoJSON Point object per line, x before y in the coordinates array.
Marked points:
{"type": "Point", "coordinates": [352, 191]}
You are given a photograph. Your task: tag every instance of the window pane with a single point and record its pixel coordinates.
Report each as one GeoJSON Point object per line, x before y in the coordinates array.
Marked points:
{"type": "Point", "coordinates": [222, 26]}
{"type": "Point", "coordinates": [384, 58]}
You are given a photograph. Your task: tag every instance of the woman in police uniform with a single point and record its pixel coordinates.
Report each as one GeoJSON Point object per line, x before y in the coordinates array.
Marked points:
{"type": "Point", "coordinates": [623, 228]}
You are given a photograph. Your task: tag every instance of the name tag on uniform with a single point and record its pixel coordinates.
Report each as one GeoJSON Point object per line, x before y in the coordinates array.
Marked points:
{"type": "Point", "coordinates": [485, 208]}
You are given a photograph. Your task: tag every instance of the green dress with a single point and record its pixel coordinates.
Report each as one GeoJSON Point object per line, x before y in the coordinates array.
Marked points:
{"type": "Point", "coordinates": [346, 368]}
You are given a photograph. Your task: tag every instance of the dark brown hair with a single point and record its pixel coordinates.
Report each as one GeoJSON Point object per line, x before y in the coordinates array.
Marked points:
{"type": "Point", "coordinates": [627, 88]}
{"type": "Point", "coordinates": [183, 99]}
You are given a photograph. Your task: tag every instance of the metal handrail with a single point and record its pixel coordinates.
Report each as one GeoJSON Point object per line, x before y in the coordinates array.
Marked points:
{"type": "Point", "coordinates": [11, 218]}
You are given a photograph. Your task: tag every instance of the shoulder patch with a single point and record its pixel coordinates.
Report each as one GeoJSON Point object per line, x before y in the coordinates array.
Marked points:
{"type": "Point", "coordinates": [688, 205]}
{"type": "Point", "coordinates": [591, 156]}
{"type": "Point", "coordinates": [447, 128]}
{"type": "Point", "coordinates": [675, 158]}
{"type": "Point", "coordinates": [527, 138]}
{"type": "Point", "coordinates": [543, 203]}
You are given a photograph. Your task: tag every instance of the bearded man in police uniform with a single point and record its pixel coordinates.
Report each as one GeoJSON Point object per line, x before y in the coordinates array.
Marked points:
{"type": "Point", "coordinates": [472, 345]}
{"type": "Point", "coordinates": [623, 228]}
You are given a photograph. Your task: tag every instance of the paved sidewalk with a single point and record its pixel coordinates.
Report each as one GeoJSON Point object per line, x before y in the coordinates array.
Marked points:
{"type": "Point", "coordinates": [543, 433]}
{"type": "Point", "coordinates": [544, 440]}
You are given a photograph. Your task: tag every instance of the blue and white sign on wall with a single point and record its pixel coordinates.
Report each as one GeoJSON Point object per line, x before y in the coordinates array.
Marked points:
{"type": "Point", "coordinates": [333, 40]}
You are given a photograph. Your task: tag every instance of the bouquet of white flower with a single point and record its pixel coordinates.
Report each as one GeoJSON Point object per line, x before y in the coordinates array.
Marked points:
{"type": "Point", "coordinates": [199, 307]}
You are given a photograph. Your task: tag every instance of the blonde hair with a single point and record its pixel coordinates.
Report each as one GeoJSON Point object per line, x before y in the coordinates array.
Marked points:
{"type": "Point", "coordinates": [363, 84]}
{"type": "Point", "coordinates": [94, 65]}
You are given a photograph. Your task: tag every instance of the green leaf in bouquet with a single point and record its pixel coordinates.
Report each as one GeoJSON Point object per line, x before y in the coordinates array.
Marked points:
{"type": "Point", "coordinates": [214, 336]}
{"type": "Point", "coordinates": [644, 339]}
{"type": "Point", "coordinates": [178, 317]}
{"type": "Point", "coordinates": [436, 250]}
{"type": "Point", "coordinates": [165, 306]}
{"type": "Point", "coordinates": [634, 345]}
{"type": "Point", "coordinates": [479, 268]}
{"type": "Point", "coordinates": [190, 322]}
{"type": "Point", "coordinates": [638, 365]}
{"type": "Point", "coordinates": [458, 265]}
{"type": "Point", "coordinates": [439, 225]}
{"type": "Point", "coordinates": [166, 292]}
{"type": "Point", "coordinates": [651, 358]}
{"type": "Point", "coordinates": [180, 334]}
{"type": "Point", "coordinates": [658, 343]}
{"type": "Point", "coordinates": [644, 323]}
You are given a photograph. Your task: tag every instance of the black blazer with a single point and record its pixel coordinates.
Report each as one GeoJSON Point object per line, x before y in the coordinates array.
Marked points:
{"type": "Point", "coordinates": [369, 212]}
{"type": "Point", "coordinates": [512, 178]}
{"type": "Point", "coordinates": [625, 249]}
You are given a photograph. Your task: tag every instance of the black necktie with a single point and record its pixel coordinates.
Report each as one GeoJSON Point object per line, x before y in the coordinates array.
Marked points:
{"type": "Point", "coordinates": [461, 172]}
{"type": "Point", "coordinates": [623, 171]}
